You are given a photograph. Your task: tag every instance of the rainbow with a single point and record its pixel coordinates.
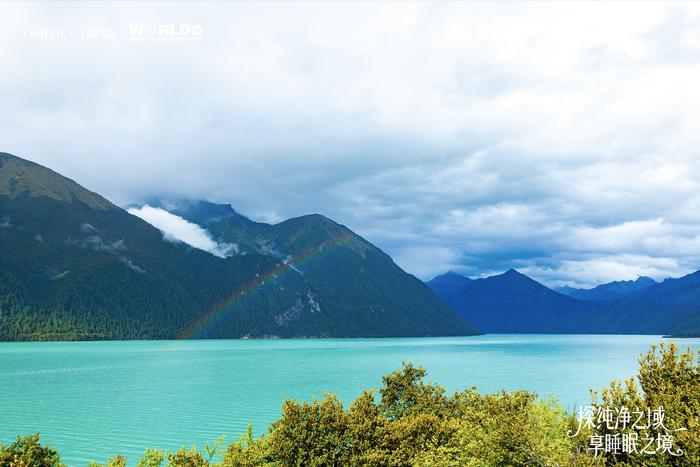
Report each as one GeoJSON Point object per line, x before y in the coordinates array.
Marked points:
{"type": "Point", "coordinates": [210, 318]}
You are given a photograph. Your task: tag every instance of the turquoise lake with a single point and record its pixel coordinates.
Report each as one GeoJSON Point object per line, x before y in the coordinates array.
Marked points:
{"type": "Point", "coordinates": [92, 400]}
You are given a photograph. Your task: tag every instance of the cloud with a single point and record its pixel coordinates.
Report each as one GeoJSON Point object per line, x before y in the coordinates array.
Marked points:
{"type": "Point", "coordinates": [550, 137]}
{"type": "Point", "coordinates": [88, 228]}
{"type": "Point", "coordinates": [175, 228]}
{"type": "Point", "coordinates": [97, 243]}
{"type": "Point", "coordinates": [428, 261]}
{"type": "Point", "coordinates": [588, 273]}
{"type": "Point", "coordinates": [131, 265]}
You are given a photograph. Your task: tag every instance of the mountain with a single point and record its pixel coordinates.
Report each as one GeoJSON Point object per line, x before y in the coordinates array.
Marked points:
{"type": "Point", "coordinates": [75, 266]}
{"type": "Point", "coordinates": [359, 283]}
{"type": "Point", "coordinates": [683, 291]}
{"type": "Point", "coordinates": [668, 307]}
{"type": "Point", "coordinates": [514, 303]}
{"type": "Point", "coordinates": [203, 213]}
{"type": "Point", "coordinates": [446, 284]}
{"type": "Point", "coordinates": [566, 290]}
{"type": "Point", "coordinates": [610, 291]}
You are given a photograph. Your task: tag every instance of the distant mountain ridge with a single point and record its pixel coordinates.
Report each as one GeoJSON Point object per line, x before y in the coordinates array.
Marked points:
{"type": "Point", "coordinates": [512, 302]}
{"type": "Point", "coordinates": [75, 266]}
{"type": "Point", "coordinates": [610, 291]}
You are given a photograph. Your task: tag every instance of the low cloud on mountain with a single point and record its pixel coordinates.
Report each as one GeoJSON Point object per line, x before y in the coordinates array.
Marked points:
{"type": "Point", "coordinates": [175, 228]}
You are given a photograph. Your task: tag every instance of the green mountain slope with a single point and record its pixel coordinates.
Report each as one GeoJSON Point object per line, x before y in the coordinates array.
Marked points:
{"type": "Point", "coordinates": [360, 284]}
{"type": "Point", "coordinates": [74, 266]}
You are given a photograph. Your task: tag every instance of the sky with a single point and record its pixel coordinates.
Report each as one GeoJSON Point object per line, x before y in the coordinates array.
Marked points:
{"type": "Point", "coordinates": [560, 139]}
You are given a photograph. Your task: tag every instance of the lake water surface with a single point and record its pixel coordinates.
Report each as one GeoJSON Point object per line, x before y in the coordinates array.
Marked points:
{"type": "Point", "coordinates": [92, 400]}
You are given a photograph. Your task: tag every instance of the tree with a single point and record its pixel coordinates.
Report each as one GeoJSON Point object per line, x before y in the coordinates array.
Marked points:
{"type": "Point", "coordinates": [310, 433]}
{"type": "Point", "coordinates": [247, 451]}
{"type": "Point", "coordinates": [667, 379]}
{"type": "Point", "coordinates": [27, 452]}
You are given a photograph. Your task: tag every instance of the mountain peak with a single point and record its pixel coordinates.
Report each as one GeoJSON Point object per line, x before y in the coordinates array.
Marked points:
{"type": "Point", "coordinates": [448, 274]}
{"type": "Point", "coordinates": [512, 273]}
{"type": "Point", "coordinates": [201, 212]}
{"type": "Point", "coordinates": [452, 273]}
{"type": "Point", "coordinates": [20, 177]}
{"type": "Point", "coordinates": [645, 280]}
{"type": "Point", "coordinates": [314, 217]}
{"type": "Point", "coordinates": [447, 284]}
{"type": "Point", "coordinates": [318, 223]}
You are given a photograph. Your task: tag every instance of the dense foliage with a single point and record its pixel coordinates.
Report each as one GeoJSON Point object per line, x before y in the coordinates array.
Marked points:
{"type": "Point", "coordinates": [670, 379]}
{"type": "Point", "coordinates": [409, 421]}
{"type": "Point", "coordinates": [412, 422]}
{"type": "Point", "coordinates": [27, 452]}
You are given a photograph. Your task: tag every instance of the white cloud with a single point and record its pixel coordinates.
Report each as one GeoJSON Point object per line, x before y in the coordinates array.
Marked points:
{"type": "Point", "coordinates": [589, 273]}
{"type": "Point", "coordinates": [175, 228]}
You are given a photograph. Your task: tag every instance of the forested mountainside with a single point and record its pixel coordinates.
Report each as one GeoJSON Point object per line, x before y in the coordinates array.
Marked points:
{"type": "Point", "coordinates": [75, 266]}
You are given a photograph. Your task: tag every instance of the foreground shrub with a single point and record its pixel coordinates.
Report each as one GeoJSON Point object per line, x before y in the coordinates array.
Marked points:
{"type": "Point", "coordinates": [27, 452]}
{"type": "Point", "coordinates": [248, 451]}
{"type": "Point", "coordinates": [670, 379]}
{"type": "Point", "coordinates": [418, 423]}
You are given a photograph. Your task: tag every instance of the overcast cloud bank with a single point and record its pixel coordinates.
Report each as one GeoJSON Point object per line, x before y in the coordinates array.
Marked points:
{"type": "Point", "coordinates": [560, 139]}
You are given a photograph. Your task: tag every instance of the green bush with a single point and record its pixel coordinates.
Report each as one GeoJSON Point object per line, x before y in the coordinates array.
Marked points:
{"type": "Point", "coordinates": [27, 452]}
{"type": "Point", "coordinates": [670, 379]}
{"type": "Point", "coordinates": [418, 423]}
